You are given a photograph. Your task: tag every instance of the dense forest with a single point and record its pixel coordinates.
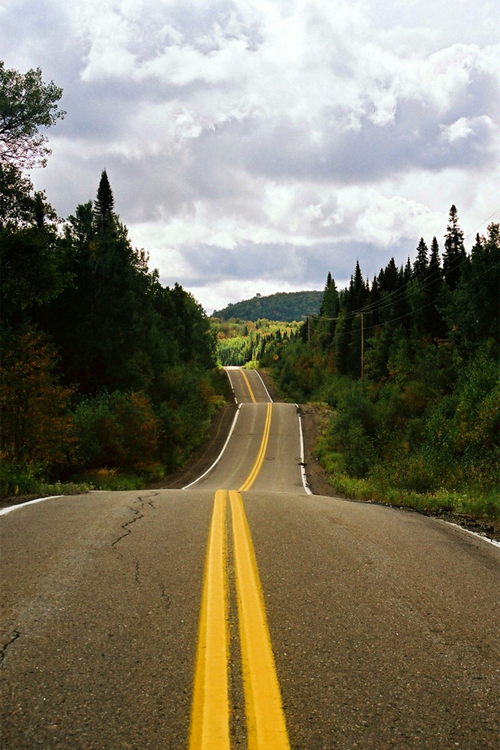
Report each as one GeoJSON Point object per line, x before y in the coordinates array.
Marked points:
{"type": "Point", "coordinates": [407, 367]}
{"type": "Point", "coordinates": [104, 371]}
{"type": "Point", "coordinates": [244, 342]}
{"type": "Point", "coordinates": [284, 306]}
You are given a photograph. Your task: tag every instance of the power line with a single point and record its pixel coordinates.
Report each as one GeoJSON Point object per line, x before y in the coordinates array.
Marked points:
{"type": "Point", "coordinates": [444, 293]}
{"type": "Point", "coordinates": [397, 295]}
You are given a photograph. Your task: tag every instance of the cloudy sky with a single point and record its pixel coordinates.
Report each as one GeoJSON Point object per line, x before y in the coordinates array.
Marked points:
{"type": "Point", "coordinates": [255, 145]}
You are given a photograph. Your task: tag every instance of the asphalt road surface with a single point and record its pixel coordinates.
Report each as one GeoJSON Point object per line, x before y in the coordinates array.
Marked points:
{"type": "Point", "coordinates": [243, 611]}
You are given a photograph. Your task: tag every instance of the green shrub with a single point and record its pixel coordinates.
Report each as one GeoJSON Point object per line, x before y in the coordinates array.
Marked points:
{"type": "Point", "coordinates": [116, 430]}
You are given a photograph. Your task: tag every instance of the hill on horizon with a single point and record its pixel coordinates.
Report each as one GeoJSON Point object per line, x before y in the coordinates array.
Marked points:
{"type": "Point", "coordinates": [283, 306]}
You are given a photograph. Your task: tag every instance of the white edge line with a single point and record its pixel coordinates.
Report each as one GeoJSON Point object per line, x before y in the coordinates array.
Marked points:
{"type": "Point", "coordinates": [10, 508]}
{"type": "Point", "coordinates": [302, 465]}
{"type": "Point", "coordinates": [474, 533]}
{"type": "Point", "coordinates": [262, 381]}
{"type": "Point", "coordinates": [220, 454]}
{"type": "Point", "coordinates": [230, 367]}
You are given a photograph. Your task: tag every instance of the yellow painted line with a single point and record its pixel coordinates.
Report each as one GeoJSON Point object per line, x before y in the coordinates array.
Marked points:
{"type": "Point", "coordinates": [210, 709]}
{"type": "Point", "coordinates": [266, 726]}
{"type": "Point", "coordinates": [262, 452]}
{"type": "Point", "coordinates": [245, 378]}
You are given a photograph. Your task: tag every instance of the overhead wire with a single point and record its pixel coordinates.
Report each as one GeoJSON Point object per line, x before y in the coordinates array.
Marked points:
{"type": "Point", "coordinates": [398, 295]}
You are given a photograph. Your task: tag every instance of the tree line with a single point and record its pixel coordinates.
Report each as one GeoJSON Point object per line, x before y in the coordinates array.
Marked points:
{"type": "Point", "coordinates": [242, 342]}
{"type": "Point", "coordinates": [102, 366]}
{"type": "Point", "coordinates": [408, 364]}
{"type": "Point", "coordinates": [282, 306]}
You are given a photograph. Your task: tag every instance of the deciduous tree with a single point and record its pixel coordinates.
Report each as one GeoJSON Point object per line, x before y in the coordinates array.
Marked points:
{"type": "Point", "coordinates": [26, 105]}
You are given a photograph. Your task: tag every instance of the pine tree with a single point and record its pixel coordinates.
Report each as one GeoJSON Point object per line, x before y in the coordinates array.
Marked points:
{"type": "Point", "coordinates": [408, 271]}
{"type": "Point", "coordinates": [330, 302]}
{"type": "Point", "coordinates": [454, 254]}
{"type": "Point", "coordinates": [104, 203]}
{"type": "Point", "coordinates": [388, 277]}
{"type": "Point", "coordinates": [357, 290]}
{"type": "Point", "coordinates": [434, 282]}
{"type": "Point", "coordinates": [477, 248]}
{"type": "Point", "coordinates": [422, 261]}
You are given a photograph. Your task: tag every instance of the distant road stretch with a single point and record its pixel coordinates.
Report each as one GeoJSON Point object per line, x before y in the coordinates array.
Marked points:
{"type": "Point", "coordinates": [243, 611]}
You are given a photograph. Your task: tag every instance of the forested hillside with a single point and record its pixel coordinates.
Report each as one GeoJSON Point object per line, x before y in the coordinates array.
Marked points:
{"type": "Point", "coordinates": [408, 366]}
{"type": "Point", "coordinates": [284, 306]}
{"type": "Point", "coordinates": [103, 368]}
{"type": "Point", "coordinates": [243, 342]}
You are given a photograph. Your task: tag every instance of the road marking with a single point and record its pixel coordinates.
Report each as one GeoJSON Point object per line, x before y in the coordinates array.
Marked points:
{"type": "Point", "coordinates": [266, 725]}
{"type": "Point", "coordinates": [248, 386]}
{"type": "Point", "coordinates": [302, 459]}
{"type": "Point", "coordinates": [264, 385]}
{"type": "Point", "coordinates": [10, 508]}
{"type": "Point", "coordinates": [220, 454]}
{"type": "Point", "coordinates": [210, 709]}
{"type": "Point", "coordinates": [474, 533]}
{"type": "Point", "coordinates": [262, 452]}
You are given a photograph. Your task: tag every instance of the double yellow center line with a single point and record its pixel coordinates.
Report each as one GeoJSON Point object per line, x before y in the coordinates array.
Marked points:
{"type": "Point", "coordinates": [245, 378]}
{"type": "Point", "coordinates": [261, 454]}
{"type": "Point", "coordinates": [266, 727]}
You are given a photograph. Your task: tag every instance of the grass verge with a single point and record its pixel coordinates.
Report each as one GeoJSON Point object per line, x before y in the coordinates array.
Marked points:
{"type": "Point", "coordinates": [472, 501]}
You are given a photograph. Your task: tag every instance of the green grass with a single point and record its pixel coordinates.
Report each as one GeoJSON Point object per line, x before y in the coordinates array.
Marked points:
{"type": "Point", "coordinates": [468, 502]}
{"type": "Point", "coordinates": [114, 480]}
{"type": "Point", "coordinates": [472, 501]}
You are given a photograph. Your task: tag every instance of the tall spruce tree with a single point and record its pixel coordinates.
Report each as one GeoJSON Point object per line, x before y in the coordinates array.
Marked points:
{"type": "Point", "coordinates": [421, 261]}
{"type": "Point", "coordinates": [329, 307]}
{"type": "Point", "coordinates": [454, 252]}
{"type": "Point", "coordinates": [104, 203]}
{"type": "Point", "coordinates": [434, 282]}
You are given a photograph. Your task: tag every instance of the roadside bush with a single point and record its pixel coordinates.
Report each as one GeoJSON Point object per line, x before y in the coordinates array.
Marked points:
{"type": "Point", "coordinates": [35, 416]}
{"type": "Point", "coordinates": [353, 426]}
{"type": "Point", "coordinates": [17, 480]}
{"type": "Point", "coordinates": [116, 430]}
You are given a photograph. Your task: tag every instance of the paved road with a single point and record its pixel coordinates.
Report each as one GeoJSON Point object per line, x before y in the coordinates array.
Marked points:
{"type": "Point", "coordinates": [384, 624]}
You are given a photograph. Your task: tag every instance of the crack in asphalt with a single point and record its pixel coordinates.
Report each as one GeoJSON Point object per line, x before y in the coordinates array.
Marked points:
{"type": "Point", "coordinates": [15, 635]}
{"type": "Point", "coordinates": [127, 531]}
{"type": "Point", "coordinates": [125, 526]}
{"type": "Point", "coordinates": [138, 517]}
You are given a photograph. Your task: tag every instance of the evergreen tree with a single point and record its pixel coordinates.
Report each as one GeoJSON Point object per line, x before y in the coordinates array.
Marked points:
{"type": "Point", "coordinates": [434, 282]}
{"type": "Point", "coordinates": [422, 261]}
{"type": "Point", "coordinates": [330, 299]}
{"type": "Point", "coordinates": [434, 276]}
{"type": "Point", "coordinates": [472, 311]}
{"type": "Point", "coordinates": [104, 203]}
{"type": "Point", "coordinates": [478, 247]}
{"type": "Point", "coordinates": [357, 290]}
{"type": "Point", "coordinates": [408, 271]}
{"type": "Point", "coordinates": [388, 277]}
{"type": "Point", "coordinates": [454, 253]}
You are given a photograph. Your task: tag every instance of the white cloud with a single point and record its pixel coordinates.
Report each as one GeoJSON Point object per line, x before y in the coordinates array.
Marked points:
{"type": "Point", "coordinates": [270, 128]}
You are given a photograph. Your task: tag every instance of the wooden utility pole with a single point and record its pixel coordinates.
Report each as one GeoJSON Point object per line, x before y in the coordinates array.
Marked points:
{"type": "Point", "coordinates": [309, 330]}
